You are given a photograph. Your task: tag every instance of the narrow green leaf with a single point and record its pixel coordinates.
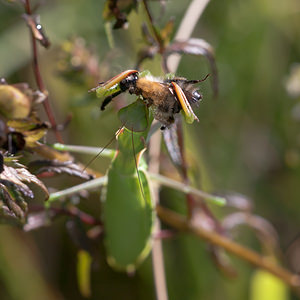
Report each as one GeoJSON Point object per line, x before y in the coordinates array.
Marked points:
{"type": "Point", "coordinates": [84, 262]}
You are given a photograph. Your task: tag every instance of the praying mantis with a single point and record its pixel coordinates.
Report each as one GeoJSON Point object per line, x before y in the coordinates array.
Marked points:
{"type": "Point", "coordinates": [128, 210]}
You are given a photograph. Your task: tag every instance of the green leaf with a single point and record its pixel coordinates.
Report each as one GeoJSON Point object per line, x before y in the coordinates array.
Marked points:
{"type": "Point", "coordinates": [135, 116]}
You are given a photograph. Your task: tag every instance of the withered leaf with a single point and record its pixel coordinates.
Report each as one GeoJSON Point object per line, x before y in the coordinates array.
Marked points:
{"type": "Point", "coordinates": [195, 47]}
{"type": "Point", "coordinates": [32, 129]}
{"type": "Point", "coordinates": [10, 202]}
{"type": "Point", "coordinates": [16, 177]}
{"type": "Point", "coordinates": [264, 230]}
{"type": "Point", "coordinates": [7, 216]}
{"type": "Point", "coordinates": [33, 22]}
{"type": "Point", "coordinates": [37, 220]}
{"type": "Point", "coordinates": [29, 124]}
{"type": "Point", "coordinates": [166, 32]}
{"type": "Point", "coordinates": [118, 10]}
{"type": "Point", "coordinates": [59, 167]}
{"type": "Point", "coordinates": [171, 141]}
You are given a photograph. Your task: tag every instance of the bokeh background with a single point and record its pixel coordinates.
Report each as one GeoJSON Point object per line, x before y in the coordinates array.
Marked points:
{"type": "Point", "coordinates": [247, 140]}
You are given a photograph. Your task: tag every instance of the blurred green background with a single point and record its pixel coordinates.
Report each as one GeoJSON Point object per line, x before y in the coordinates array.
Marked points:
{"type": "Point", "coordinates": [247, 141]}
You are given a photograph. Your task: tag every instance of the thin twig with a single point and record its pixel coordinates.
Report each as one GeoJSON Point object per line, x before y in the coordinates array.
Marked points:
{"type": "Point", "coordinates": [179, 222]}
{"type": "Point", "coordinates": [186, 28]}
{"type": "Point", "coordinates": [151, 24]}
{"type": "Point", "coordinates": [155, 144]}
{"type": "Point", "coordinates": [157, 250]}
{"type": "Point", "coordinates": [39, 79]}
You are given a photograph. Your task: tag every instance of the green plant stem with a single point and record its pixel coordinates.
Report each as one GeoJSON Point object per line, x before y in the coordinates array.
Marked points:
{"type": "Point", "coordinates": [162, 180]}
{"type": "Point", "coordinates": [187, 189]}
{"type": "Point", "coordinates": [84, 150]}
{"type": "Point", "coordinates": [92, 184]}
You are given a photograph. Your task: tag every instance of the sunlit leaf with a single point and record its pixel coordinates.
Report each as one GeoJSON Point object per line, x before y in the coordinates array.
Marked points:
{"type": "Point", "coordinates": [32, 129]}
{"type": "Point", "coordinates": [135, 116]}
{"type": "Point", "coordinates": [84, 262]}
{"type": "Point", "coordinates": [25, 125]}
{"type": "Point", "coordinates": [14, 104]}
{"type": "Point", "coordinates": [265, 286]}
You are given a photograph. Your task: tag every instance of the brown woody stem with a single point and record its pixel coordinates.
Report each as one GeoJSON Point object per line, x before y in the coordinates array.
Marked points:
{"type": "Point", "coordinates": [180, 223]}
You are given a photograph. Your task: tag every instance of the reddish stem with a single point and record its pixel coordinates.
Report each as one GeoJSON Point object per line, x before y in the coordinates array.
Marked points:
{"type": "Point", "coordinates": [39, 79]}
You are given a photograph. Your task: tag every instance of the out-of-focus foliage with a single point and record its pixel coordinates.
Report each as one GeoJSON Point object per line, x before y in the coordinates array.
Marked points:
{"type": "Point", "coordinates": [265, 286]}
{"type": "Point", "coordinates": [247, 140]}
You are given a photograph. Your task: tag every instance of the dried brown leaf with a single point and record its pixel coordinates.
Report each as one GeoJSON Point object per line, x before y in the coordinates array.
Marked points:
{"type": "Point", "coordinates": [37, 220]}
{"type": "Point", "coordinates": [7, 216]}
{"type": "Point", "coordinates": [17, 177]}
{"type": "Point", "coordinates": [58, 167]}
{"type": "Point", "coordinates": [33, 22]}
{"type": "Point", "coordinates": [118, 10]}
{"type": "Point", "coordinates": [265, 231]}
{"type": "Point", "coordinates": [195, 47]}
{"type": "Point", "coordinates": [10, 202]}
{"type": "Point", "coordinates": [171, 141]}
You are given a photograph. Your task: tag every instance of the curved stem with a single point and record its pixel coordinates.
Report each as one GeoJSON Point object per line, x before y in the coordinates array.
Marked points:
{"type": "Point", "coordinates": [186, 28]}
{"type": "Point", "coordinates": [179, 222]}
